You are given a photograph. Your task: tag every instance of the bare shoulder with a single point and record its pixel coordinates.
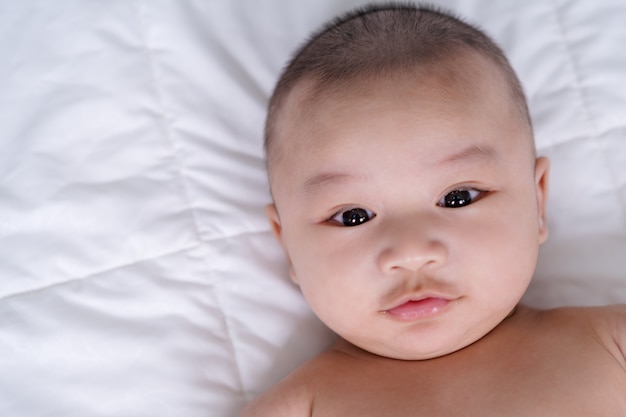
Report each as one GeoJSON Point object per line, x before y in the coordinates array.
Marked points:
{"type": "Point", "coordinates": [289, 398]}
{"type": "Point", "coordinates": [615, 319]}
{"type": "Point", "coordinates": [607, 323]}
{"type": "Point", "coordinates": [295, 394]}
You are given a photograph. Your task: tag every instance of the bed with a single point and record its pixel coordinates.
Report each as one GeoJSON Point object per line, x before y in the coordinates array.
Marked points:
{"type": "Point", "coordinates": [138, 275]}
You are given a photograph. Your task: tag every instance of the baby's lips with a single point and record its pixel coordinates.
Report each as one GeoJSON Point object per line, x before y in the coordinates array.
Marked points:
{"type": "Point", "coordinates": [415, 309]}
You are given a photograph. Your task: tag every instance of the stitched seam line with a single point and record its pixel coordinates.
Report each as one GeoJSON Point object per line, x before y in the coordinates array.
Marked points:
{"type": "Point", "coordinates": [588, 114]}
{"type": "Point", "coordinates": [70, 281]}
{"type": "Point", "coordinates": [166, 121]}
{"type": "Point", "coordinates": [184, 185]}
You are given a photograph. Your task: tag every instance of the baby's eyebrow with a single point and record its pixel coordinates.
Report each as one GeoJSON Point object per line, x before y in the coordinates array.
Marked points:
{"type": "Point", "coordinates": [318, 180]}
{"type": "Point", "coordinates": [471, 153]}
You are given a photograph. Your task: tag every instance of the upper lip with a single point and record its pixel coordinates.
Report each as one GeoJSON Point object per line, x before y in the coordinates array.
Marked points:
{"type": "Point", "coordinates": [418, 297]}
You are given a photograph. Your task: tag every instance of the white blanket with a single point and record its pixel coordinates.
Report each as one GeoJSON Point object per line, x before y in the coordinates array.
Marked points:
{"type": "Point", "coordinates": [138, 276]}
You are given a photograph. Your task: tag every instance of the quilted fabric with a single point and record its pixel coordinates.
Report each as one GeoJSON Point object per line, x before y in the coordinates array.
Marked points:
{"type": "Point", "coordinates": [138, 276]}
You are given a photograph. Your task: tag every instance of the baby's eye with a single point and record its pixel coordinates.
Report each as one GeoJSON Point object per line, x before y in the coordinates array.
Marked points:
{"type": "Point", "coordinates": [459, 198]}
{"type": "Point", "coordinates": [353, 217]}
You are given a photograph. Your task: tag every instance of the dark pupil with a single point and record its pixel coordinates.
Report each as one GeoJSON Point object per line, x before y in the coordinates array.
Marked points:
{"type": "Point", "coordinates": [458, 198]}
{"type": "Point", "coordinates": [355, 217]}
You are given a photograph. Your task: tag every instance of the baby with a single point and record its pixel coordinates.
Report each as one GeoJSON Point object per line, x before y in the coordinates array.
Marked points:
{"type": "Point", "coordinates": [411, 206]}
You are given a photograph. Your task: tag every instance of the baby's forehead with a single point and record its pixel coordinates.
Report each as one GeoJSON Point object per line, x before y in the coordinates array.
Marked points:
{"type": "Point", "coordinates": [456, 74]}
{"type": "Point", "coordinates": [454, 79]}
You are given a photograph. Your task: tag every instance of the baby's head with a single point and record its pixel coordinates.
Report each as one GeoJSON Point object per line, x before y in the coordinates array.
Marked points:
{"type": "Point", "coordinates": [407, 195]}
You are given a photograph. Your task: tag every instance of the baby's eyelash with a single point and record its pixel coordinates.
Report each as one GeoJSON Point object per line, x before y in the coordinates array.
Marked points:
{"type": "Point", "coordinates": [461, 197]}
{"type": "Point", "coordinates": [356, 216]}
{"type": "Point", "coordinates": [351, 217]}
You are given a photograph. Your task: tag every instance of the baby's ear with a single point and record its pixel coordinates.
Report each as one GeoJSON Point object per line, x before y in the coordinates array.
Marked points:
{"type": "Point", "coordinates": [542, 170]}
{"type": "Point", "coordinates": [272, 215]}
{"type": "Point", "coordinates": [277, 230]}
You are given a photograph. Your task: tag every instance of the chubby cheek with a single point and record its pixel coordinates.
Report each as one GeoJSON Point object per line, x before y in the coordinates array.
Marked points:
{"type": "Point", "coordinates": [505, 256]}
{"type": "Point", "coordinates": [332, 276]}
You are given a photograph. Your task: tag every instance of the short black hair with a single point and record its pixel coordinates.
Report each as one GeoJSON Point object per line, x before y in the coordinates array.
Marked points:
{"type": "Point", "coordinates": [381, 38]}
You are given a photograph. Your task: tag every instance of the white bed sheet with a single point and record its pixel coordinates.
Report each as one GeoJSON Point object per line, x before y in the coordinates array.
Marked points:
{"type": "Point", "coordinates": [138, 276]}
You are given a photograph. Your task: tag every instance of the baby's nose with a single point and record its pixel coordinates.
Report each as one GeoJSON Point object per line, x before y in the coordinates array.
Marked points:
{"type": "Point", "coordinates": [411, 245]}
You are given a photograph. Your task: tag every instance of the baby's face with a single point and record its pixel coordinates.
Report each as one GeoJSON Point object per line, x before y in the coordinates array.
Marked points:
{"type": "Point", "coordinates": [411, 218]}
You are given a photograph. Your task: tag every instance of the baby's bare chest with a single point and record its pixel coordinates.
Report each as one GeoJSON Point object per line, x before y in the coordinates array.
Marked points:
{"type": "Point", "coordinates": [575, 378]}
{"type": "Point", "coordinates": [555, 392]}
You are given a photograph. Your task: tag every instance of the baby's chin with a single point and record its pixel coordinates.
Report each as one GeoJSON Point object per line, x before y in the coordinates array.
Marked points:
{"type": "Point", "coordinates": [416, 355]}
{"type": "Point", "coordinates": [417, 350]}
{"type": "Point", "coordinates": [416, 340]}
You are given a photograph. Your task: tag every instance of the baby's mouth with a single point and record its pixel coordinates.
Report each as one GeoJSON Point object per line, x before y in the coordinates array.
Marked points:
{"type": "Point", "coordinates": [418, 309]}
